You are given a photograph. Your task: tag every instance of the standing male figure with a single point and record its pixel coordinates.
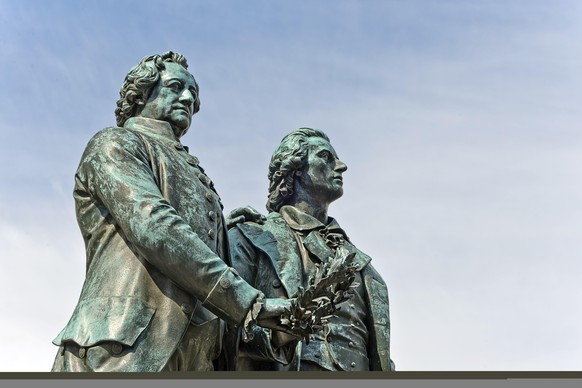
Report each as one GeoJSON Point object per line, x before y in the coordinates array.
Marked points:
{"type": "Point", "coordinates": [157, 284]}
{"type": "Point", "coordinates": [278, 257]}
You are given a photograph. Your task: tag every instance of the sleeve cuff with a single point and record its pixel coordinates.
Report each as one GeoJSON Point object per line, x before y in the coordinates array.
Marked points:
{"type": "Point", "coordinates": [251, 318]}
{"type": "Point", "coordinates": [231, 297]}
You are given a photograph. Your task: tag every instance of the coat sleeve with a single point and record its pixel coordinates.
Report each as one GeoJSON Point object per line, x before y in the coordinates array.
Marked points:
{"type": "Point", "coordinates": [116, 170]}
{"type": "Point", "coordinates": [245, 259]}
{"type": "Point", "coordinates": [379, 320]}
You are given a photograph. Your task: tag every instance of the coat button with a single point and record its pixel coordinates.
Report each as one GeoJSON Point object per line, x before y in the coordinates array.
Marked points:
{"type": "Point", "coordinates": [82, 353]}
{"type": "Point", "coordinates": [212, 215]}
{"type": "Point", "coordinates": [187, 308]}
{"type": "Point", "coordinates": [208, 196]}
{"type": "Point", "coordinates": [276, 283]}
{"type": "Point", "coordinates": [178, 146]}
{"type": "Point", "coordinates": [224, 283]}
{"type": "Point", "coordinates": [353, 364]}
{"type": "Point", "coordinates": [204, 179]}
{"type": "Point", "coordinates": [351, 344]}
{"type": "Point", "coordinates": [211, 234]}
{"type": "Point", "coordinates": [116, 348]}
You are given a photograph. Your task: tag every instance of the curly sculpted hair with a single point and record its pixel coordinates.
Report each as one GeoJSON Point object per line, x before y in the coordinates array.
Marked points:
{"type": "Point", "coordinates": [288, 158]}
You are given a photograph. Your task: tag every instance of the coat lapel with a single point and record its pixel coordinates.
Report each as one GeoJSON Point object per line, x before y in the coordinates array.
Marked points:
{"type": "Point", "coordinates": [278, 242]}
{"type": "Point", "coordinates": [361, 259]}
{"type": "Point", "coordinates": [317, 246]}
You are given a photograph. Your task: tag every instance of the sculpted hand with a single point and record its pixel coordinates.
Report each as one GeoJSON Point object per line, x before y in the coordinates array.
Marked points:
{"type": "Point", "coordinates": [281, 339]}
{"type": "Point", "coordinates": [271, 312]}
{"type": "Point", "coordinates": [243, 214]}
{"type": "Point", "coordinates": [273, 308]}
{"type": "Point", "coordinates": [290, 321]}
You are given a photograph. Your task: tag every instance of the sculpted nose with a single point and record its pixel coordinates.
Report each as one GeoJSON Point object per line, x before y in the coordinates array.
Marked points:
{"type": "Point", "coordinates": [340, 166]}
{"type": "Point", "coordinates": [186, 97]}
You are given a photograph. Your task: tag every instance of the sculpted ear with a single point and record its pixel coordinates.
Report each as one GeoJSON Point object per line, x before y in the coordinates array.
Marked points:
{"type": "Point", "coordinates": [298, 177]}
{"type": "Point", "coordinates": [299, 182]}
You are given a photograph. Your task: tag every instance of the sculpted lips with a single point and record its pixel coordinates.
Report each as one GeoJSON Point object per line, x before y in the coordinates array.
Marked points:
{"type": "Point", "coordinates": [338, 178]}
{"type": "Point", "coordinates": [183, 108]}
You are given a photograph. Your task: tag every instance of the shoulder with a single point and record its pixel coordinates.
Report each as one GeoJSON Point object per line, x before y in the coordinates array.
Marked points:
{"type": "Point", "coordinates": [112, 137]}
{"type": "Point", "coordinates": [370, 271]}
{"type": "Point", "coordinates": [259, 233]}
{"type": "Point", "coordinates": [113, 143]}
{"type": "Point", "coordinates": [245, 231]}
{"type": "Point", "coordinates": [112, 148]}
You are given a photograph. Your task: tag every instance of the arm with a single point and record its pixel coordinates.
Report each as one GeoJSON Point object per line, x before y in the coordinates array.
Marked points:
{"type": "Point", "coordinates": [378, 320]}
{"type": "Point", "coordinates": [116, 171]}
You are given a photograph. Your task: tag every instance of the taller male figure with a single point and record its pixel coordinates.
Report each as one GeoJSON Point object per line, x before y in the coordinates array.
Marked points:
{"type": "Point", "coordinates": [305, 176]}
{"type": "Point", "coordinates": [157, 276]}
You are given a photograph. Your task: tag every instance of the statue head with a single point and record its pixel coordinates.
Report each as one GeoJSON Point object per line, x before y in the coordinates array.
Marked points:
{"type": "Point", "coordinates": [160, 87]}
{"type": "Point", "coordinates": [304, 160]}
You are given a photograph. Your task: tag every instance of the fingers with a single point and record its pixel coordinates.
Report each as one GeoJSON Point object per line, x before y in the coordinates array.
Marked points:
{"type": "Point", "coordinates": [274, 307]}
{"type": "Point", "coordinates": [252, 215]}
{"type": "Point", "coordinates": [273, 324]}
{"type": "Point", "coordinates": [246, 213]}
{"type": "Point", "coordinates": [230, 222]}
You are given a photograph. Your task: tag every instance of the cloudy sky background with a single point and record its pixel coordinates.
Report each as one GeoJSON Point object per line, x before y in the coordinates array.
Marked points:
{"type": "Point", "coordinates": [459, 122]}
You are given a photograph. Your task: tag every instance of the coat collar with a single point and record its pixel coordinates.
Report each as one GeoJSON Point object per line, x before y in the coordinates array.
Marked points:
{"type": "Point", "coordinates": [319, 235]}
{"type": "Point", "coordinates": [152, 127]}
{"type": "Point", "coordinates": [276, 239]}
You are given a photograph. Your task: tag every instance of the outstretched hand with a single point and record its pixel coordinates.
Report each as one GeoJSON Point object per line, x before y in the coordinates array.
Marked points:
{"type": "Point", "coordinates": [244, 214]}
{"type": "Point", "coordinates": [271, 312]}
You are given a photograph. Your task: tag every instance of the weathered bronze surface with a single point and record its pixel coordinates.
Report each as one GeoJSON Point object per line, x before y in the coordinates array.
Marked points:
{"type": "Point", "coordinates": [158, 286]}
{"type": "Point", "coordinates": [282, 255]}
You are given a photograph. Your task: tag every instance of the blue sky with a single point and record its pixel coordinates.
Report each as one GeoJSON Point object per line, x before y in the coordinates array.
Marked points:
{"type": "Point", "coordinates": [458, 120]}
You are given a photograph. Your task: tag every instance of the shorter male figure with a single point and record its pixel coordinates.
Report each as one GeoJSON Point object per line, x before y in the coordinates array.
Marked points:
{"type": "Point", "coordinates": [283, 254]}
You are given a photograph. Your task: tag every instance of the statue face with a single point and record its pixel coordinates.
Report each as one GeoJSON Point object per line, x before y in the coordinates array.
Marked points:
{"type": "Point", "coordinates": [172, 98]}
{"type": "Point", "coordinates": [322, 179]}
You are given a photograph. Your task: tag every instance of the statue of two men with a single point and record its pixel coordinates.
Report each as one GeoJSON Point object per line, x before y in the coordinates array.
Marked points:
{"type": "Point", "coordinates": [161, 292]}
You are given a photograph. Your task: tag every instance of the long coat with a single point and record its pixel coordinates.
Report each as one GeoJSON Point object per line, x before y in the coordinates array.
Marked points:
{"type": "Point", "coordinates": [156, 247]}
{"type": "Point", "coordinates": [267, 257]}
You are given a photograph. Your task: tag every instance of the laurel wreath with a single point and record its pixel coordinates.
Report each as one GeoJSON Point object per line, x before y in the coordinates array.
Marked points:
{"type": "Point", "coordinates": [332, 284]}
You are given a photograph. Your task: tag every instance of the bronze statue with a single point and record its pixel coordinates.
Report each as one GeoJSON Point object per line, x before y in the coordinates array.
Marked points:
{"type": "Point", "coordinates": [158, 287]}
{"type": "Point", "coordinates": [283, 255]}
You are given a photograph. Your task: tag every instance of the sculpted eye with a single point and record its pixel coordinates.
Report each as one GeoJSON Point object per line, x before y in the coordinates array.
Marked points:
{"type": "Point", "coordinates": [174, 85]}
{"type": "Point", "coordinates": [326, 155]}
